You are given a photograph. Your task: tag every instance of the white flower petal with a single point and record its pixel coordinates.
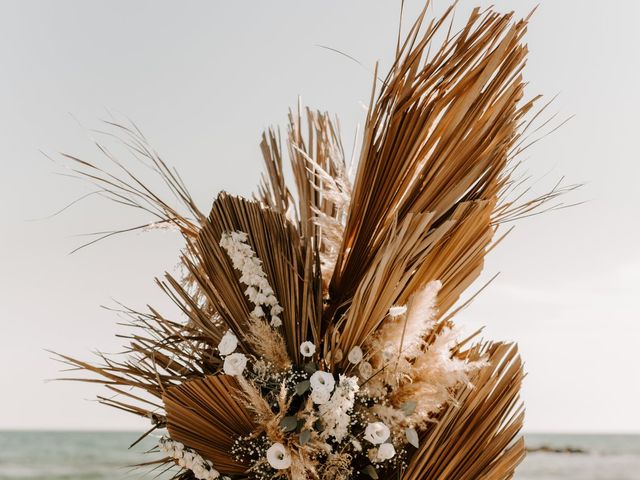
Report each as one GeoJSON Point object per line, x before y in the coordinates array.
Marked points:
{"type": "Point", "coordinates": [386, 451]}
{"type": "Point", "coordinates": [307, 349]}
{"type": "Point", "coordinates": [376, 433]}
{"type": "Point", "coordinates": [276, 321]}
{"type": "Point", "coordinates": [278, 456]}
{"type": "Point", "coordinates": [322, 381]}
{"type": "Point", "coordinates": [235, 364]}
{"type": "Point", "coordinates": [320, 396]}
{"type": "Point", "coordinates": [228, 343]}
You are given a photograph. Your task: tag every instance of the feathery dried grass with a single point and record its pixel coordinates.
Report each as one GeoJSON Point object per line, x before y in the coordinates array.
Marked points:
{"type": "Point", "coordinates": [267, 343]}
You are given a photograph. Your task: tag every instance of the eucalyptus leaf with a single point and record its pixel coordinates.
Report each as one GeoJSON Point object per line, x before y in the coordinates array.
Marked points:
{"type": "Point", "coordinates": [318, 425]}
{"type": "Point", "coordinates": [302, 387]}
{"type": "Point", "coordinates": [412, 437]}
{"type": "Point", "coordinates": [288, 424]}
{"type": "Point", "coordinates": [310, 367]}
{"type": "Point", "coordinates": [369, 470]}
{"type": "Point", "coordinates": [305, 436]}
{"type": "Point", "coordinates": [409, 407]}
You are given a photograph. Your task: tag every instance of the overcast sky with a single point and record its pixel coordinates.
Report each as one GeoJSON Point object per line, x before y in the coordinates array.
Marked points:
{"type": "Point", "coordinates": [202, 79]}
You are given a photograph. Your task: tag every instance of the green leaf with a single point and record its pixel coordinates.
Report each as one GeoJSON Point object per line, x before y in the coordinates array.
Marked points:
{"type": "Point", "coordinates": [318, 425]}
{"type": "Point", "coordinates": [305, 436]}
{"type": "Point", "coordinates": [369, 470]}
{"type": "Point", "coordinates": [301, 422]}
{"type": "Point", "coordinates": [288, 424]}
{"type": "Point", "coordinates": [302, 387]}
{"type": "Point", "coordinates": [310, 367]}
{"type": "Point", "coordinates": [409, 407]}
{"type": "Point", "coordinates": [412, 437]}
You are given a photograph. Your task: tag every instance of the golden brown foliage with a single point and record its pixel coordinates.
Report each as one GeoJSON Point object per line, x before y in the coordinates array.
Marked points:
{"type": "Point", "coordinates": [433, 184]}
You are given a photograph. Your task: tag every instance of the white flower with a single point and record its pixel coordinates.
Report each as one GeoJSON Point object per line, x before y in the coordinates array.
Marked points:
{"type": "Point", "coordinates": [200, 472]}
{"type": "Point", "coordinates": [278, 456]}
{"type": "Point", "coordinates": [258, 291]}
{"type": "Point", "coordinates": [335, 413]}
{"type": "Point", "coordinates": [349, 385]}
{"type": "Point", "coordinates": [268, 291]}
{"type": "Point", "coordinates": [202, 469]}
{"type": "Point", "coordinates": [307, 349]}
{"type": "Point", "coordinates": [178, 447]}
{"type": "Point", "coordinates": [239, 236]}
{"type": "Point", "coordinates": [261, 298]}
{"type": "Point", "coordinates": [322, 381]}
{"type": "Point", "coordinates": [365, 369]}
{"type": "Point", "coordinates": [235, 364]}
{"type": "Point", "coordinates": [251, 293]}
{"type": "Point", "coordinates": [396, 310]}
{"type": "Point", "coordinates": [228, 343]}
{"type": "Point", "coordinates": [189, 460]}
{"type": "Point", "coordinates": [355, 355]}
{"type": "Point", "coordinates": [385, 452]}
{"type": "Point", "coordinates": [376, 432]}
{"type": "Point", "coordinates": [320, 396]}
{"type": "Point", "coordinates": [356, 445]}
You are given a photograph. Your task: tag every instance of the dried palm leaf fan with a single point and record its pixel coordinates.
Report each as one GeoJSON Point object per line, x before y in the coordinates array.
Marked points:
{"type": "Point", "coordinates": [319, 340]}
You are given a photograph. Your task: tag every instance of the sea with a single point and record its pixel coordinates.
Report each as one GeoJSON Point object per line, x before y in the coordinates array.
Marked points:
{"type": "Point", "coordinates": [105, 456]}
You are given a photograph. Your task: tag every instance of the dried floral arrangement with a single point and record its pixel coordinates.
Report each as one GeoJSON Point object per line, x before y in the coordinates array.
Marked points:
{"type": "Point", "coordinates": [318, 339]}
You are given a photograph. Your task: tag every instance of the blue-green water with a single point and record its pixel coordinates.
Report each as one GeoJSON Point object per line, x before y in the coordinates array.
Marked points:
{"type": "Point", "coordinates": [608, 457]}
{"type": "Point", "coordinates": [72, 456]}
{"type": "Point", "coordinates": [104, 456]}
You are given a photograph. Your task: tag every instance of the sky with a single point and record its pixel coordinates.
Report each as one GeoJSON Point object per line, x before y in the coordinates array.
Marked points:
{"type": "Point", "coordinates": [202, 79]}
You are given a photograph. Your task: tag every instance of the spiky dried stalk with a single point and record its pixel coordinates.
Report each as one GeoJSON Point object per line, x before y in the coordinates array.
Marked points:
{"type": "Point", "coordinates": [434, 182]}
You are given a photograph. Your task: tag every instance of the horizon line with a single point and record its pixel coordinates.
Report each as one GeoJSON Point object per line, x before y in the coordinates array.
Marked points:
{"type": "Point", "coordinates": [138, 431]}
